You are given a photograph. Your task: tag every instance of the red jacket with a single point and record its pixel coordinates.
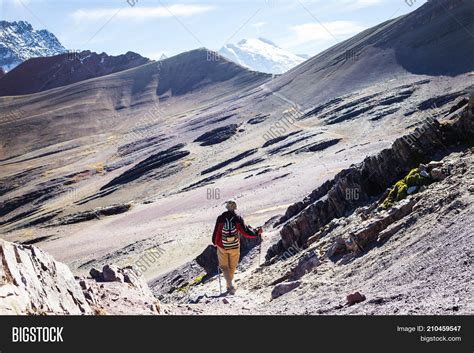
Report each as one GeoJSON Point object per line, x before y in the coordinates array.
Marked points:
{"type": "Point", "coordinates": [242, 228]}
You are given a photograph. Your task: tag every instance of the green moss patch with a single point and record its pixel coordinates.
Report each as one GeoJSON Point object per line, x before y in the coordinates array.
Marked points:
{"type": "Point", "coordinates": [399, 190]}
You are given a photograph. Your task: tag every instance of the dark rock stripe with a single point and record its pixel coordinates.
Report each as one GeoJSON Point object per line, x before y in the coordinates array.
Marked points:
{"type": "Point", "coordinates": [158, 160]}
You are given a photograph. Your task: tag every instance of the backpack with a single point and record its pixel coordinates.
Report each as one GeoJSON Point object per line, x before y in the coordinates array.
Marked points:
{"type": "Point", "coordinates": [230, 236]}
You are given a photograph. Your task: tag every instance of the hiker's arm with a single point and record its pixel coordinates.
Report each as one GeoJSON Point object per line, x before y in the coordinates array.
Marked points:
{"type": "Point", "coordinates": [246, 230]}
{"type": "Point", "coordinates": [217, 230]}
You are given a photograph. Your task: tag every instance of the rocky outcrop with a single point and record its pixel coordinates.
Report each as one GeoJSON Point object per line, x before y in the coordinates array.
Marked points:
{"type": "Point", "coordinates": [91, 214]}
{"type": "Point", "coordinates": [297, 207]}
{"type": "Point", "coordinates": [217, 136]}
{"type": "Point", "coordinates": [225, 163]}
{"type": "Point", "coordinates": [344, 239]}
{"type": "Point", "coordinates": [281, 138]}
{"type": "Point", "coordinates": [208, 260]}
{"type": "Point", "coordinates": [32, 282]}
{"type": "Point", "coordinates": [258, 119]}
{"type": "Point", "coordinates": [375, 229]}
{"type": "Point", "coordinates": [119, 291]}
{"type": "Point", "coordinates": [317, 146]}
{"type": "Point", "coordinates": [156, 161]}
{"type": "Point", "coordinates": [364, 183]}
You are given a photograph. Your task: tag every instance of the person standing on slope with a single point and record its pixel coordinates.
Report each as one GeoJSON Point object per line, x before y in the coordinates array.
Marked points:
{"type": "Point", "coordinates": [228, 227]}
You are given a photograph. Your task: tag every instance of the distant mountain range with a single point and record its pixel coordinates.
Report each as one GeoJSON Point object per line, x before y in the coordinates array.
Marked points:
{"type": "Point", "coordinates": [100, 163]}
{"type": "Point", "coordinates": [260, 54]}
{"type": "Point", "coordinates": [20, 42]}
{"type": "Point", "coordinates": [44, 73]}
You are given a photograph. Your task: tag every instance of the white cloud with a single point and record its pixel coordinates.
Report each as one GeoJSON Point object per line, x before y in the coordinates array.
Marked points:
{"type": "Point", "coordinates": [360, 4]}
{"type": "Point", "coordinates": [351, 3]}
{"type": "Point", "coordinates": [139, 13]}
{"type": "Point", "coordinates": [259, 24]}
{"type": "Point", "coordinates": [327, 31]}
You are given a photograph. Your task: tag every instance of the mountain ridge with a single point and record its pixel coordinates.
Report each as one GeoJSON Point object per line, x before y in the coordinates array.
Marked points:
{"type": "Point", "coordinates": [386, 52]}
{"type": "Point", "coordinates": [44, 73]}
{"type": "Point", "coordinates": [20, 42]}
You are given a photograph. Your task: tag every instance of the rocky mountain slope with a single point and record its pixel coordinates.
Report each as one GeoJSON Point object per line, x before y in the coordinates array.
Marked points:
{"type": "Point", "coordinates": [357, 263]}
{"type": "Point", "coordinates": [100, 171]}
{"type": "Point", "coordinates": [419, 43]}
{"type": "Point", "coordinates": [33, 283]}
{"type": "Point", "coordinates": [20, 42]}
{"type": "Point", "coordinates": [413, 258]}
{"type": "Point", "coordinates": [44, 73]}
{"type": "Point", "coordinates": [261, 55]}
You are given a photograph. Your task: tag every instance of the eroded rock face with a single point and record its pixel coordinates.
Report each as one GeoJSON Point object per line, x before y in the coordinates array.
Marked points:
{"type": "Point", "coordinates": [370, 179]}
{"type": "Point", "coordinates": [119, 291]}
{"type": "Point", "coordinates": [112, 273]}
{"type": "Point", "coordinates": [32, 282]}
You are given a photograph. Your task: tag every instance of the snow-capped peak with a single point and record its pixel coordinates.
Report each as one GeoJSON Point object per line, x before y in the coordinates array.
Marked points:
{"type": "Point", "coordinates": [20, 42]}
{"type": "Point", "coordinates": [260, 54]}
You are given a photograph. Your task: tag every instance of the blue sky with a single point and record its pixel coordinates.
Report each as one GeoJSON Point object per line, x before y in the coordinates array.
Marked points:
{"type": "Point", "coordinates": [155, 27]}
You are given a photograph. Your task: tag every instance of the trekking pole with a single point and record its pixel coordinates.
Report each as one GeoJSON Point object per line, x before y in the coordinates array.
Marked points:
{"type": "Point", "coordinates": [219, 275]}
{"type": "Point", "coordinates": [260, 251]}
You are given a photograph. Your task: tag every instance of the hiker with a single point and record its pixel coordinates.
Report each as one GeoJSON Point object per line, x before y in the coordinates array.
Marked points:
{"type": "Point", "coordinates": [228, 227]}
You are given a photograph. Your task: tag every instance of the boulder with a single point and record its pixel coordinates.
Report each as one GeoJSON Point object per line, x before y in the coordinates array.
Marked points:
{"type": "Point", "coordinates": [337, 248]}
{"type": "Point", "coordinates": [96, 274]}
{"type": "Point", "coordinates": [434, 164]}
{"type": "Point", "coordinates": [111, 273]}
{"type": "Point", "coordinates": [306, 264]}
{"type": "Point", "coordinates": [208, 260]}
{"type": "Point", "coordinates": [283, 288]}
{"type": "Point", "coordinates": [137, 281]}
{"type": "Point", "coordinates": [32, 282]}
{"type": "Point", "coordinates": [355, 298]}
{"type": "Point", "coordinates": [438, 174]}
